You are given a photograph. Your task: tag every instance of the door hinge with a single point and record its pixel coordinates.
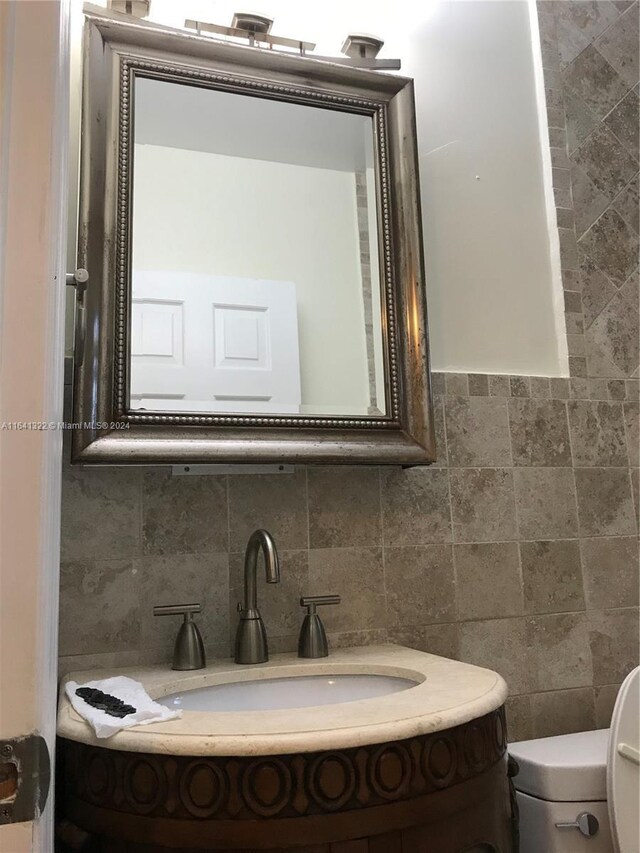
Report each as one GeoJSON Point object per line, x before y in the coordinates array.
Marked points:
{"type": "Point", "coordinates": [78, 279]}
{"type": "Point", "coordinates": [25, 778]}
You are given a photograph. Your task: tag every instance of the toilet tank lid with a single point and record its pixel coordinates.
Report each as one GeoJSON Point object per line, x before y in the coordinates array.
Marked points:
{"type": "Point", "coordinates": [566, 768]}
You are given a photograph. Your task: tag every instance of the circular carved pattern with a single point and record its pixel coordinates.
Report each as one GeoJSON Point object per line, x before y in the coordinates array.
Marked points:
{"type": "Point", "coordinates": [332, 780]}
{"type": "Point", "coordinates": [475, 747]}
{"type": "Point", "coordinates": [378, 111]}
{"type": "Point", "coordinates": [390, 771]}
{"type": "Point", "coordinates": [440, 761]}
{"type": "Point", "coordinates": [203, 788]}
{"type": "Point", "coordinates": [144, 784]}
{"type": "Point", "coordinates": [243, 788]}
{"type": "Point", "coordinates": [99, 775]}
{"type": "Point", "coordinates": [266, 786]}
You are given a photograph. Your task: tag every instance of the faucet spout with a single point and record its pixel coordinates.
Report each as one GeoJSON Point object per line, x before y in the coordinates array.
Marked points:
{"type": "Point", "coordinates": [251, 637]}
{"type": "Point", "coordinates": [259, 540]}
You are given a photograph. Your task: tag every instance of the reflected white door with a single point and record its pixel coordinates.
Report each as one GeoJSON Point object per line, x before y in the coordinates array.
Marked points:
{"type": "Point", "coordinates": [206, 343]}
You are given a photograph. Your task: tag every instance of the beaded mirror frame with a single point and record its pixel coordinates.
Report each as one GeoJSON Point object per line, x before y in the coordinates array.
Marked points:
{"type": "Point", "coordinates": [117, 50]}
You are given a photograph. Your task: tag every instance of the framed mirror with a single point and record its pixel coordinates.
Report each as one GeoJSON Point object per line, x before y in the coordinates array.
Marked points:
{"type": "Point", "coordinates": [251, 228]}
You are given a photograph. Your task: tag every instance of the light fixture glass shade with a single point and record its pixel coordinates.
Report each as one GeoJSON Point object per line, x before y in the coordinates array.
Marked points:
{"type": "Point", "coordinates": [137, 8]}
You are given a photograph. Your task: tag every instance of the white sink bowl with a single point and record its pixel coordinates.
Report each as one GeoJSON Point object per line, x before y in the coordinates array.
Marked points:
{"type": "Point", "coordinates": [272, 694]}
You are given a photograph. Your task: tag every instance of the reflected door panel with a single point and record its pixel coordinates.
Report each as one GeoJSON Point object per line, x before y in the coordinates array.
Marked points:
{"type": "Point", "coordinates": [212, 343]}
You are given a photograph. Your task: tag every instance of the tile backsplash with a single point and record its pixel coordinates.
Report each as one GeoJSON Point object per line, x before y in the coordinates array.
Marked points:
{"type": "Point", "coordinates": [518, 550]}
{"type": "Point", "coordinates": [514, 552]}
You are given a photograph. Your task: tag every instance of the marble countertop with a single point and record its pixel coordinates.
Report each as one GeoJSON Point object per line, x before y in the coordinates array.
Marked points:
{"type": "Point", "coordinates": [448, 693]}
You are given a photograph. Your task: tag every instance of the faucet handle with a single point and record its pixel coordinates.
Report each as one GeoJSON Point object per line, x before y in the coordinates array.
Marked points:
{"type": "Point", "coordinates": [312, 642]}
{"type": "Point", "coordinates": [176, 609]}
{"type": "Point", "coordinates": [188, 652]}
{"type": "Point", "coordinates": [313, 601]}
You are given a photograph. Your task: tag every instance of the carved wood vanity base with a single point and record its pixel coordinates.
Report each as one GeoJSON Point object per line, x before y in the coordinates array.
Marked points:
{"type": "Point", "coordinates": [446, 792]}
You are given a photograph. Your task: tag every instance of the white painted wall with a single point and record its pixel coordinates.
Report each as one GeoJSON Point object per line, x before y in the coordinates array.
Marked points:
{"type": "Point", "coordinates": [227, 216]}
{"type": "Point", "coordinates": [490, 281]}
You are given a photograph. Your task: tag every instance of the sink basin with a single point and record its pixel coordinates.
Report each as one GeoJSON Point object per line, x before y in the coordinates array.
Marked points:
{"type": "Point", "coordinates": [272, 694]}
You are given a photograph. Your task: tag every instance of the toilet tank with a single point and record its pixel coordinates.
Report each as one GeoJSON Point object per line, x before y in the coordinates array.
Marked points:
{"type": "Point", "coordinates": [539, 834]}
{"type": "Point", "coordinates": [558, 779]}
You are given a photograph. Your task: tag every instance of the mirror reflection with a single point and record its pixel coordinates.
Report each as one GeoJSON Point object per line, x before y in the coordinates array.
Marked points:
{"type": "Point", "coordinates": [255, 273]}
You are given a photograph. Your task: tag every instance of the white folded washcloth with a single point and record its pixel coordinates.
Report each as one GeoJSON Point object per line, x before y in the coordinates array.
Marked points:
{"type": "Point", "coordinates": [132, 693]}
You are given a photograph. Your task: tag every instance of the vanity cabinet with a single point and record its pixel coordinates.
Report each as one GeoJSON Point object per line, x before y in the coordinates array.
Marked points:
{"type": "Point", "coordinates": [443, 792]}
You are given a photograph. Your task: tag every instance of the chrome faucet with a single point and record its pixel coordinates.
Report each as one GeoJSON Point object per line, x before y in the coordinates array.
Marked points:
{"type": "Point", "coordinates": [188, 652]}
{"type": "Point", "coordinates": [251, 637]}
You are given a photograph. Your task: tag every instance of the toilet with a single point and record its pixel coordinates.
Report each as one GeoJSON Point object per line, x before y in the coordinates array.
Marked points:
{"type": "Point", "coordinates": [581, 792]}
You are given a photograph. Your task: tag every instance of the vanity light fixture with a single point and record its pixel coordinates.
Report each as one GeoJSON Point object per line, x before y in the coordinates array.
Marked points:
{"type": "Point", "coordinates": [360, 50]}
{"type": "Point", "coordinates": [137, 8]}
{"type": "Point", "coordinates": [361, 46]}
{"type": "Point", "coordinates": [254, 28]}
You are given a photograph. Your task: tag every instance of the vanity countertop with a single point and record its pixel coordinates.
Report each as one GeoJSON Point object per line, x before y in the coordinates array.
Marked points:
{"type": "Point", "coordinates": [449, 693]}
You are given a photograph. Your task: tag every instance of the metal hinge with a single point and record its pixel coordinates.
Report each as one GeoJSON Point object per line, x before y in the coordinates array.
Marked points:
{"type": "Point", "coordinates": [78, 279]}
{"type": "Point", "coordinates": [25, 777]}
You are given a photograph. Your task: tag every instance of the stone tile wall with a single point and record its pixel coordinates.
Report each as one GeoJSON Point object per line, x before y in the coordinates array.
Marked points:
{"type": "Point", "coordinates": [518, 550]}
{"type": "Point", "coordinates": [590, 58]}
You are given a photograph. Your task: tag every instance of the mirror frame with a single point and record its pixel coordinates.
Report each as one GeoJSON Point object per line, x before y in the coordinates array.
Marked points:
{"type": "Point", "coordinates": [116, 50]}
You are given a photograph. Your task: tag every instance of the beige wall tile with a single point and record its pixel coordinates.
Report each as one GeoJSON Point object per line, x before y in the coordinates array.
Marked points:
{"type": "Point", "coordinates": [597, 434]}
{"type": "Point", "coordinates": [499, 386]}
{"type": "Point", "coordinates": [560, 712]}
{"type": "Point", "coordinates": [605, 700]}
{"type": "Point", "coordinates": [519, 725]}
{"type": "Point", "coordinates": [539, 433]}
{"type": "Point", "coordinates": [419, 583]}
{"type": "Point", "coordinates": [610, 568]}
{"type": "Point", "coordinates": [619, 46]}
{"type": "Point", "coordinates": [435, 639]}
{"type": "Point", "coordinates": [477, 431]}
{"type": "Point", "coordinates": [275, 502]}
{"type": "Point", "coordinates": [561, 641]}
{"type": "Point", "coordinates": [635, 488]}
{"type": "Point", "coordinates": [594, 81]}
{"type": "Point", "coordinates": [478, 385]}
{"type": "Point", "coordinates": [456, 384]}
{"type": "Point", "coordinates": [519, 386]}
{"type": "Point", "coordinates": [613, 636]}
{"type": "Point", "coordinates": [344, 507]}
{"type": "Point", "coordinates": [488, 580]}
{"type": "Point", "coordinates": [503, 645]}
{"type": "Point", "coordinates": [540, 387]}
{"type": "Point", "coordinates": [552, 576]}
{"type": "Point", "coordinates": [546, 503]}
{"type": "Point", "coordinates": [101, 509]}
{"type": "Point", "coordinates": [605, 503]}
{"type": "Point", "coordinates": [415, 506]}
{"type": "Point", "coordinates": [184, 515]}
{"type": "Point", "coordinates": [355, 574]}
{"type": "Point", "coordinates": [632, 428]}
{"type": "Point", "coordinates": [98, 607]}
{"type": "Point", "coordinates": [482, 504]}
{"type": "Point", "coordinates": [348, 639]}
